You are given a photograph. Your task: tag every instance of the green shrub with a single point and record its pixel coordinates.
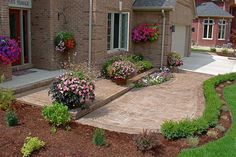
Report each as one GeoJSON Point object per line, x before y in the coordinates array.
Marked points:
{"type": "Point", "coordinates": [99, 138]}
{"type": "Point", "coordinates": [11, 118]}
{"type": "Point", "coordinates": [57, 114]}
{"type": "Point", "coordinates": [6, 99]}
{"type": "Point", "coordinates": [213, 104]}
{"type": "Point", "coordinates": [213, 49]}
{"type": "Point", "coordinates": [224, 50]}
{"type": "Point", "coordinates": [144, 65]}
{"type": "Point", "coordinates": [193, 141]}
{"type": "Point", "coordinates": [31, 144]}
{"type": "Point", "coordinates": [146, 141]}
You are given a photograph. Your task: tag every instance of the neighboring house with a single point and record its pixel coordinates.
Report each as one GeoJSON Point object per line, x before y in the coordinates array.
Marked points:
{"type": "Point", "coordinates": [214, 23]}
{"type": "Point", "coordinates": [36, 22]}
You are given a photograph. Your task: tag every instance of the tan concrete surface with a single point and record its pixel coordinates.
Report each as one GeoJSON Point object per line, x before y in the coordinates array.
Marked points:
{"type": "Point", "coordinates": [148, 108]}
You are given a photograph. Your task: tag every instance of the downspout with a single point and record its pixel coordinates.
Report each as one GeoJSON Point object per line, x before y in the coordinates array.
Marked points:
{"type": "Point", "coordinates": [90, 34]}
{"type": "Point", "coordinates": [163, 37]}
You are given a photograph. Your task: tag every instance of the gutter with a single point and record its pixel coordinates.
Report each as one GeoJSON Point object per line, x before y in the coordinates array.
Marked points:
{"type": "Point", "coordinates": [150, 8]}
{"type": "Point", "coordinates": [90, 34]}
{"type": "Point", "coordinates": [163, 36]}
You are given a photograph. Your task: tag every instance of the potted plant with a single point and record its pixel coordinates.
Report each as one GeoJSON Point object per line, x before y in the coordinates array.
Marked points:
{"type": "Point", "coordinates": [9, 53]}
{"type": "Point", "coordinates": [174, 61]}
{"type": "Point", "coordinates": [145, 32]}
{"type": "Point", "coordinates": [64, 41]}
{"type": "Point", "coordinates": [120, 71]}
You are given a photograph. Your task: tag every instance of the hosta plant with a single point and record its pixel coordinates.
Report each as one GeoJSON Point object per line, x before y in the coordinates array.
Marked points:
{"type": "Point", "coordinates": [57, 114]}
{"type": "Point", "coordinates": [145, 32]}
{"type": "Point", "coordinates": [31, 144]}
{"type": "Point", "coordinates": [73, 90]}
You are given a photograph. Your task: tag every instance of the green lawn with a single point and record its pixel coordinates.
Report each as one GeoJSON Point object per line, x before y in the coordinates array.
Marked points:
{"type": "Point", "coordinates": [226, 146]}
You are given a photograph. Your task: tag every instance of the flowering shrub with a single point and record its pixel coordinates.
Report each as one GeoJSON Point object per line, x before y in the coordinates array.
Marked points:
{"type": "Point", "coordinates": [145, 32]}
{"type": "Point", "coordinates": [72, 90]}
{"type": "Point", "coordinates": [121, 70]}
{"type": "Point", "coordinates": [174, 60]}
{"type": "Point", "coordinates": [64, 41]}
{"type": "Point", "coordinates": [155, 78]}
{"type": "Point", "coordinates": [9, 50]}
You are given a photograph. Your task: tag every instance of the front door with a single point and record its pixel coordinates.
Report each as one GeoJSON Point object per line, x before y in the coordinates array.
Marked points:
{"type": "Point", "coordinates": [19, 30]}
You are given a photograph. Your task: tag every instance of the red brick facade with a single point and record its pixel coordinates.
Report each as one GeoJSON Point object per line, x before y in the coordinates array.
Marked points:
{"type": "Point", "coordinates": [51, 16]}
{"type": "Point", "coordinates": [197, 25]}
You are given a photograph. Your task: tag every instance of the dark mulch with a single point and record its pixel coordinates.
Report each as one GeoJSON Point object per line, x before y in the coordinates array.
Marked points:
{"type": "Point", "coordinates": [78, 141]}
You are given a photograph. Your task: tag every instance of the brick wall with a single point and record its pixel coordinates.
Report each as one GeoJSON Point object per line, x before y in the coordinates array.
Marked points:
{"type": "Point", "coordinates": [198, 34]}
{"type": "Point", "coordinates": [4, 18]}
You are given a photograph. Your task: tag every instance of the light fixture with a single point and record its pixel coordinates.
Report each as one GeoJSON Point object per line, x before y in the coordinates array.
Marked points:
{"type": "Point", "coordinates": [172, 28]}
{"type": "Point", "coordinates": [120, 5]}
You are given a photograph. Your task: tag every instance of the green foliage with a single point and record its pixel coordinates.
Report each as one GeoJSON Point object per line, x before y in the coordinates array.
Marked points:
{"type": "Point", "coordinates": [144, 65]}
{"type": "Point", "coordinates": [138, 60]}
{"type": "Point", "coordinates": [6, 99]}
{"type": "Point", "coordinates": [31, 144]}
{"type": "Point", "coordinates": [213, 49]}
{"type": "Point", "coordinates": [11, 118]}
{"type": "Point", "coordinates": [224, 50]}
{"type": "Point", "coordinates": [185, 128]}
{"type": "Point", "coordinates": [180, 129]}
{"type": "Point", "coordinates": [146, 141]}
{"type": "Point", "coordinates": [225, 146]}
{"type": "Point", "coordinates": [99, 138]}
{"type": "Point", "coordinates": [63, 36]}
{"type": "Point", "coordinates": [193, 141]}
{"type": "Point", "coordinates": [57, 114]}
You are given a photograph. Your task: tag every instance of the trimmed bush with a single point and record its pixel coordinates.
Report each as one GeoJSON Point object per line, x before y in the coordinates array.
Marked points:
{"type": "Point", "coordinates": [31, 144]}
{"type": "Point", "coordinates": [99, 138]}
{"type": "Point", "coordinates": [57, 114]}
{"type": "Point", "coordinates": [185, 128]}
{"type": "Point", "coordinates": [11, 119]}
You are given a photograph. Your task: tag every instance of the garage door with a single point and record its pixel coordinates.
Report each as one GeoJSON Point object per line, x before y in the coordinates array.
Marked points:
{"type": "Point", "coordinates": [179, 40]}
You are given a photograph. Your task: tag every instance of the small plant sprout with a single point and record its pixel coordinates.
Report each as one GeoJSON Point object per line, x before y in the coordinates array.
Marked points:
{"type": "Point", "coordinates": [146, 141]}
{"type": "Point", "coordinates": [99, 138]}
{"type": "Point", "coordinates": [193, 141]}
{"type": "Point", "coordinates": [31, 144]}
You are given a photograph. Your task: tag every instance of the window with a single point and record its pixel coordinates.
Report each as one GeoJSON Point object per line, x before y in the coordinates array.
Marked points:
{"type": "Point", "coordinates": [222, 29]}
{"type": "Point", "coordinates": [118, 31]}
{"type": "Point", "coordinates": [208, 28]}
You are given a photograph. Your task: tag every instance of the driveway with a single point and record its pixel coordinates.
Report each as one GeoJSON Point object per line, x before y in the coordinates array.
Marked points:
{"type": "Point", "coordinates": [148, 108]}
{"type": "Point", "coordinates": [209, 64]}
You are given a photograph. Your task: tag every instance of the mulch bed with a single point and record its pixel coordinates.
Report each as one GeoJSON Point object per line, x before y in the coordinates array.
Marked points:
{"type": "Point", "coordinates": [229, 54]}
{"type": "Point", "coordinates": [78, 141]}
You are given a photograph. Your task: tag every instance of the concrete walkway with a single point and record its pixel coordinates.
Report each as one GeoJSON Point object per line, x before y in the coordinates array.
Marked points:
{"type": "Point", "coordinates": [209, 64]}
{"type": "Point", "coordinates": [148, 108]}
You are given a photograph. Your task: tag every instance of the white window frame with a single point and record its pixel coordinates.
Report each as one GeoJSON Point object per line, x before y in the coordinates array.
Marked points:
{"type": "Point", "coordinates": [222, 23]}
{"type": "Point", "coordinates": [208, 26]}
{"type": "Point", "coordinates": [112, 49]}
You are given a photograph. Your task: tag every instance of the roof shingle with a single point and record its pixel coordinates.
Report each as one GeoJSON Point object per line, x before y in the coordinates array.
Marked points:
{"type": "Point", "coordinates": [154, 4]}
{"type": "Point", "coordinates": [210, 9]}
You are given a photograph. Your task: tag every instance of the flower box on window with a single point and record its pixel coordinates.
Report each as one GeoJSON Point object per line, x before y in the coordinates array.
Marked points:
{"type": "Point", "coordinates": [145, 32]}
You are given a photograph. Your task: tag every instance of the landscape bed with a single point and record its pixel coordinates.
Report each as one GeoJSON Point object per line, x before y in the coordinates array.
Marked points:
{"type": "Point", "coordinates": [78, 141]}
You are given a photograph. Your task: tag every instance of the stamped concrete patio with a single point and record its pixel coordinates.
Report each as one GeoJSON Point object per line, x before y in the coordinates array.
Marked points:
{"type": "Point", "coordinates": [148, 108]}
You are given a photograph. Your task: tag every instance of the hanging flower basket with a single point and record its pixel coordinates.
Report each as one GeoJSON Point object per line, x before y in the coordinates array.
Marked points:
{"type": "Point", "coordinates": [145, 32]}
{"type": "Point", "coordinates": [64, 41]}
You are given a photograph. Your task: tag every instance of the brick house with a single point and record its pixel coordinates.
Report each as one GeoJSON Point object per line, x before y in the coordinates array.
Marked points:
{"type": "Point", "coordinates": [105, 32]}
{"type": "Point", "coordinates": [215, 22]}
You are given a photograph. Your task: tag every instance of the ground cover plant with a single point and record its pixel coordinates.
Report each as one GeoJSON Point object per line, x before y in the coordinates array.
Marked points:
{"type": "Point", "coordinates": [57, 114]}
{"type": "Point", "coordinates": [73, 89]}
{"type": "Point", "coordinates": [190, 127]}
{"type": "Point", "coordinates": [224, 147]}
{"type": "Point", "coordinates": [155, 78]}
{"type": "Point", "coordinates": [31, 144]}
